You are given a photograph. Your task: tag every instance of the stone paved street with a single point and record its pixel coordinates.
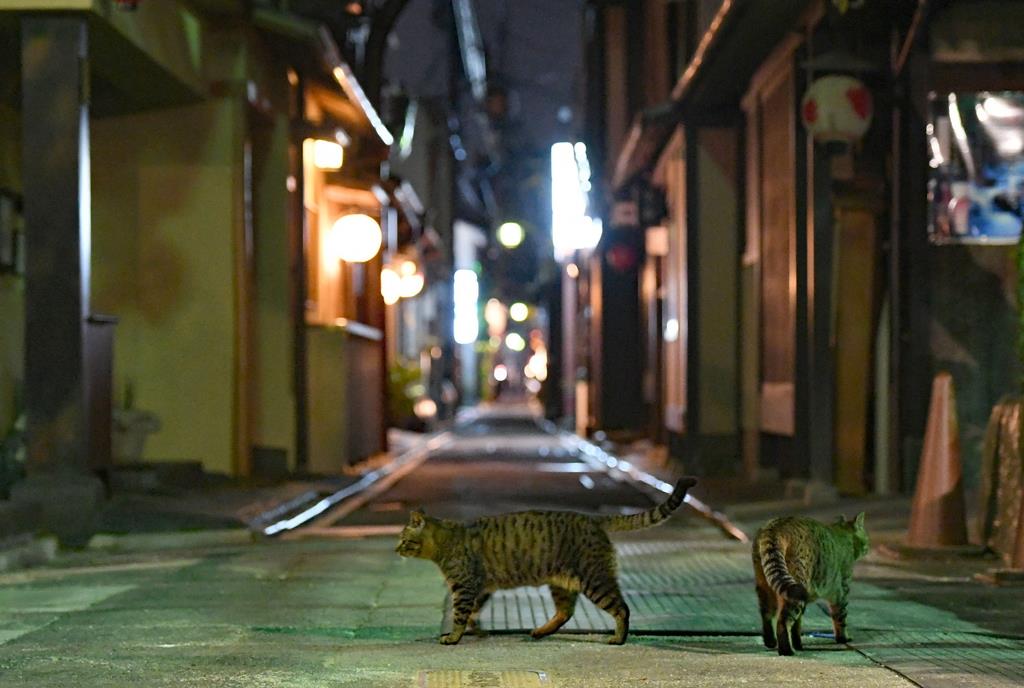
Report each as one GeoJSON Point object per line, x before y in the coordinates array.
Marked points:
{"type": "Point", "coordinates": [327, 607]}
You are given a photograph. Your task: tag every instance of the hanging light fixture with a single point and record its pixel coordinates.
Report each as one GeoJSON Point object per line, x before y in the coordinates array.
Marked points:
{"type": "Point", "coordinates": [390, 285]}
{"type": "Point", "coordinates": [837, 107]}
{"type": "Point", "coordinates": [410, 278]}
{"type": "Point", "coordinates": [355, 238]}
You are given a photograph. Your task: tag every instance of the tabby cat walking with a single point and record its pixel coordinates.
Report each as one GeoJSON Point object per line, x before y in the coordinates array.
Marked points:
{"type": "Point", "coordinates": [798, 560]}
{"type": "Point", "coordinates": [569, 552]}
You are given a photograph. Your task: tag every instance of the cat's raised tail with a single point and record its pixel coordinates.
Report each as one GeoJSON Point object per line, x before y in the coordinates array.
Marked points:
{"type": "Point", "coordinates": [651, 517]}
{"type": "Point", "coordinates": [773, 562]}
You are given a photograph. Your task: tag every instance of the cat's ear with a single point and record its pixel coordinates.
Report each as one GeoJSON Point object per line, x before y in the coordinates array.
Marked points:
{"type": "Point", "coordinates": [858, 522]}
{"type": "Point", "coordinates": [841, 520]}
{"type": "Point", "coordinates": [417, 518]}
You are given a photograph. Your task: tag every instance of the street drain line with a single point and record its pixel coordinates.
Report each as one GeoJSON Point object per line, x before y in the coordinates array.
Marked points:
{"type": "Point", "coordinates": [623, 471]}
{"type": "Point", "coordinates": [314, 505]}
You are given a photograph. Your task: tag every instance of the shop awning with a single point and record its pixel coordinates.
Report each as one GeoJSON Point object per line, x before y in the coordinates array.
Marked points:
{"type": "Point", "coordinates": [741, 35]}
{"type": "Point", "coordinates": [138, 61]}
{"type": "Point", "coordinates": [310, 44]}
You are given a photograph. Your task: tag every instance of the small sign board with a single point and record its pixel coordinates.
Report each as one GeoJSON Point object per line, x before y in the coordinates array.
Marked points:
{"type": "Point", "coordinates": [625, 214]}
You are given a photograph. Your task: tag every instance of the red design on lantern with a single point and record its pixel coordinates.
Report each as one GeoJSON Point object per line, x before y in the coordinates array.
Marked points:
{"type": "Point", "coordinates": [860, 99]}
{"type": "Point", "coordinates": [810, 111]}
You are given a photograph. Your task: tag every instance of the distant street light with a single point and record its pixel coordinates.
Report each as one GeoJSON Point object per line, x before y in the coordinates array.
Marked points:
{"type": "Point", "coordinates": [515, 341]}
{"type": "Point", "coordinates": [518, 311]}
{"type": "Point", "coordinates": [572, 228]}
{"type": "Point", "coordinates": [496, 316]}
{"type": "Point", "coordinates": [466, 292]}
{"type": "Point", "coordinates": [511, 234]}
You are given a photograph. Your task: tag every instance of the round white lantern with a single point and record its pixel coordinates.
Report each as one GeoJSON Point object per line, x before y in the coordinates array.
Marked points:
{"type": "Point", "coordinates": [356, 238]}
{"type": "Point", "coordinates": [390, 285]}
{"type": "Point", "coordinates": [837, 108]}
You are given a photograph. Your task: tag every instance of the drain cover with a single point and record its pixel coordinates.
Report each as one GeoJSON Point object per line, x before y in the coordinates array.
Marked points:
{"type": "Point", "coordinates": [483, 679]}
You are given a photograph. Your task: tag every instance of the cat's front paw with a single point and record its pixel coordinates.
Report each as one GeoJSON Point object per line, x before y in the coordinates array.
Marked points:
{"type": "Point", "coordinates": [842, 639]}
{"type": "Point", "coordinates": [450, 638]}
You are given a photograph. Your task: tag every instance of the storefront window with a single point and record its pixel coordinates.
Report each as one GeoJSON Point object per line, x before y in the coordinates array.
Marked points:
{"type": "Point", "coordinates": [976, 167]}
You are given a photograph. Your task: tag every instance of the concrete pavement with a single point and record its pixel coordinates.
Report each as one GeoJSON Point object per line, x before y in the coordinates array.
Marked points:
{"type": "Point", "coordinates": [329, 613]}
{"type": "Point", "coordinates": [323, 607]}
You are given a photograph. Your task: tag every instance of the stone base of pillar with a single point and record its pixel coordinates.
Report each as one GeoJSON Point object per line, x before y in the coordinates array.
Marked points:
{"type": "Point", "coordinates": [68, 504]}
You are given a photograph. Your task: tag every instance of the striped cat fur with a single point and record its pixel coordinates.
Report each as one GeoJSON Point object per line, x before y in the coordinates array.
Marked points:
{"type": "Point", "coordinates": [798, 560]}
{"type": "Point", "coordinates": [569, 552]}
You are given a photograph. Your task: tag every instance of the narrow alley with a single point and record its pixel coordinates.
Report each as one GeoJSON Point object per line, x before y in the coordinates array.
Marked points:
{"type": "Point", "coordinates": [351, 342]}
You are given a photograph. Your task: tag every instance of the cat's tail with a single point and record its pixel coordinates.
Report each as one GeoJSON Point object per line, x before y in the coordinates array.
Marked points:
{"type": "Point", "coordinates": [773, 563]}
{"type": "Point", "coordinates": [651, 517]}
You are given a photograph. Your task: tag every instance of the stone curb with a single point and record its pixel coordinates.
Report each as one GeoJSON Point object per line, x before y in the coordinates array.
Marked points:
{"type": "Point", "coordinates": [143, 542]}
{"type": "Point", "coordinates": [26, 552]}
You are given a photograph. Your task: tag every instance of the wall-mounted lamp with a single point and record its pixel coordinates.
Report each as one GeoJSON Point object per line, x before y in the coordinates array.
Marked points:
{"type": "Point", "coordinates": [326, 155]}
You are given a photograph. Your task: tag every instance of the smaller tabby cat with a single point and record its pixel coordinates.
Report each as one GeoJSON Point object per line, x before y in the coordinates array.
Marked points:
{"type": "Point", "coordinates": [569, 552]}
{"type": "Point", "coordinates": [798, 560]}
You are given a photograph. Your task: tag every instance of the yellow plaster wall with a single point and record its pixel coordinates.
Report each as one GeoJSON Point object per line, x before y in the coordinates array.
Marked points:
{"type": "Point", "coordinates": [276, 414]}
{"type": "Point", "coordinates": [165, 204]}
{"type": "Point", "coordinates": [717, 244]}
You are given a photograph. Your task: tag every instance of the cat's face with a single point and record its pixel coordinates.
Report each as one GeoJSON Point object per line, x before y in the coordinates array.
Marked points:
{"type": "Point", "coordinates": [415, 540]}
{"type": "Point", "coordinates": [855, 527]}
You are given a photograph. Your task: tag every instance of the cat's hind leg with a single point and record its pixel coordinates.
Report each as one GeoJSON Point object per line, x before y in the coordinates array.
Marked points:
{"type": "Point", "coordinates": [788, 621]}
{"type": "Point", "coordinates": [798, 643]}
{"type": "Point", "coordinates": [837, 610]}
{"type": "Point", "coordinates": [768, 604]}
{"type": "Point", "coordinates": [565, 605]}
{"type": "Point", "coordinates": [605, 593]}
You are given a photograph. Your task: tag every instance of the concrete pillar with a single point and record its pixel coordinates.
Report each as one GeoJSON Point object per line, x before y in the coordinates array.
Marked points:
{"type": "Point", "coordinates": [55, 140]}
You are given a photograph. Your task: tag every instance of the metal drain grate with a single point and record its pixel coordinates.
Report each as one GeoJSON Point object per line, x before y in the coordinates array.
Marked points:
{"type": "Point", "coordinates": [669, 587]}
{"type": "Point", "coordinates": [483, 679]}
{"type": "Point", "coordinates": [673, 587]}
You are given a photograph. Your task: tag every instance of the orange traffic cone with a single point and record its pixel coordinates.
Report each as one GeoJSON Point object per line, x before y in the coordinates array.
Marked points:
{"type": "Point", "coordinates": [937, 517]}
{"type": "Point", "coordinates": [1014, 575]}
